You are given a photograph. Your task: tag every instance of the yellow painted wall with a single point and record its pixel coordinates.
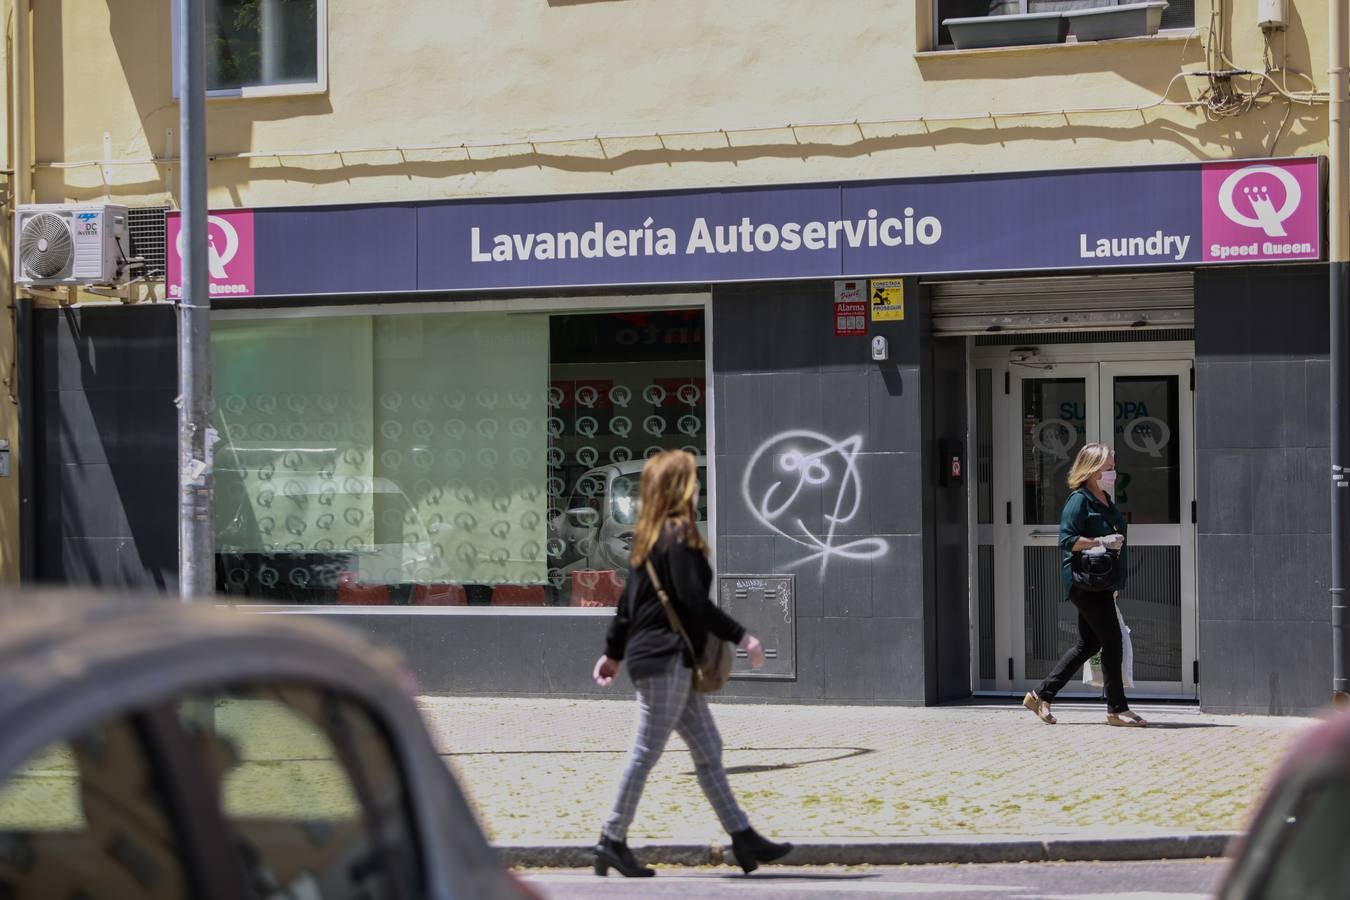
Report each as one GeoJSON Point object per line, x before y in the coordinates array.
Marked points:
{"type": "Point", "coordinates": [425, 73]}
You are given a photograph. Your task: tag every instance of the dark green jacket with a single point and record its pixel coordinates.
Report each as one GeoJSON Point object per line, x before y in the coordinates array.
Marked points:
{"type": "Point", "coordinates": [1085, 516]}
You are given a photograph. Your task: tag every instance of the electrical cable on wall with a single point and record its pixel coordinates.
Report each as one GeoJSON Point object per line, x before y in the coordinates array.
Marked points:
{"type": "Point", "coordinates": [1222, 98]}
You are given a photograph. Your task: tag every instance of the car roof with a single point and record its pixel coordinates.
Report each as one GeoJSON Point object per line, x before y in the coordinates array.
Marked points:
{"type": "Point", "coordinates": [68, 659]}
{"type": "Point", "coordinates": [54, 644]}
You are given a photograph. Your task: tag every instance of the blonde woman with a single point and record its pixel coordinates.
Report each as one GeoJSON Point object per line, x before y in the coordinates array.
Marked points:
{"type": "Point", "coordinates": [661, 668]}
{"type": "Point", "coordinates": [1090, 521]}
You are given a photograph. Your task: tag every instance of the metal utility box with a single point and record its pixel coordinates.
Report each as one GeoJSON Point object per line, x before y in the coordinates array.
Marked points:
{"type": "Point", "coordinates": [767, 606]}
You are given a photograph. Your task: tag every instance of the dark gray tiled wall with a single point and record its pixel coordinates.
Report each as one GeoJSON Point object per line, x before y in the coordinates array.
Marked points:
{"type": "Point", "coordinates": [946, 537]}
{"type": "Point", "coordinates": [1262, 393]}
{"type": "Point", "coordinates": [107, 450]}
{"type": "Point", "coordinates": [778, 368]}
{"type": "Point", "coordinates": [107, 487]}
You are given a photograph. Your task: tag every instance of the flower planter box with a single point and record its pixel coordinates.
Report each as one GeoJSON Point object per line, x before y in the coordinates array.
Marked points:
{"type": "Point", "coordinates": [1109, 22]}
{"type": "Point", "coordinates": [1007, 31]}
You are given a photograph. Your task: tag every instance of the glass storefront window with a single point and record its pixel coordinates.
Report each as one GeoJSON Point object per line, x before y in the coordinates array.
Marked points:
{"type": "Point", "coordinates": [1053, 431]}
{"type": "Point", "coordinates": [458, 458]}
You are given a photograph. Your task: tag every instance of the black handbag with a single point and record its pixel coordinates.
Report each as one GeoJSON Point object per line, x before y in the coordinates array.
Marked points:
{"type": "Point", "coordinates": [1095, 573]}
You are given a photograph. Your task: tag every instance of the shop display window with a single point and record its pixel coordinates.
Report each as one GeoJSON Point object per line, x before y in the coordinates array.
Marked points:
{"type": "Point", "coordinates": [445, 459]}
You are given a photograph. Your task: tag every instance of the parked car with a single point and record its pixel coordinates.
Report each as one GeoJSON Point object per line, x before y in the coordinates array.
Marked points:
{"type": "Point", "coordinates": [161, 751]}
{"type": "Point", "coordinates": [321, 537]}
{"type": "Point", "coordinates": [1298, 845]}
{"type": "Point", "coordinates": [601, 516]}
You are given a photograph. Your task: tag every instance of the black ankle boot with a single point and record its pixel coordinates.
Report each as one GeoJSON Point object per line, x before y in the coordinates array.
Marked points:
{"type": "Point", "coordinates": [611, 854]}
{"type": "Point", "coordinates": [751, 848]}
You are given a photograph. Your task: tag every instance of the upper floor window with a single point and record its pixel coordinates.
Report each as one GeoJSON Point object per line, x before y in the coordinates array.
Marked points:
{"type": "Point", "coordinates": [262, 47]}
{"type": "Point", "coordinates": [1002, 23]}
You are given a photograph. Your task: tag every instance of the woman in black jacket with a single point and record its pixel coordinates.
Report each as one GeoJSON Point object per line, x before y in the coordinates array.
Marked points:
{"type": "Point", "coordinates": [660, 665]}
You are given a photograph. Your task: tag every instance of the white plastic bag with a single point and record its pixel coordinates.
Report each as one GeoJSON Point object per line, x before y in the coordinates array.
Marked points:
{"type": "Point", "coordinates": [1092, 669]}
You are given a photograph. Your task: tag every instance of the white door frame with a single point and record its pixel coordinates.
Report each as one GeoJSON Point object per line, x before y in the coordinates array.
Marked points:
{"type": "Point", "coordinates": [1105, 361]}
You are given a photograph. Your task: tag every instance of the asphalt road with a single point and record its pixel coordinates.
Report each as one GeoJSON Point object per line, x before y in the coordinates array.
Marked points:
{"type": "Point", "coordinates": [1173, 880]}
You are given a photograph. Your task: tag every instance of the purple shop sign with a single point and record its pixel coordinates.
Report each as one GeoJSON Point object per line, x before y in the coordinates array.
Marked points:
{"type": "Point", "coordinates": [1172, 215]}
{"type": "Point", "coordinates": [1086, 218]}
{"type": "Point", "coordinates": [656, 238]}
{"type": "Point", "coordinates": [1262, 211]}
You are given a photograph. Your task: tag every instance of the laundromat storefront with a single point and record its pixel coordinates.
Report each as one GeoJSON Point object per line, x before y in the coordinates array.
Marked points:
{"type": "Point", "coordinates": [467, 454]}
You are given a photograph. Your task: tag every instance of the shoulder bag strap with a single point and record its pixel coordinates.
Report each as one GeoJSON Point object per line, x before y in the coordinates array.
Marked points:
{"type": "Point", "coordinates": [670, 611]}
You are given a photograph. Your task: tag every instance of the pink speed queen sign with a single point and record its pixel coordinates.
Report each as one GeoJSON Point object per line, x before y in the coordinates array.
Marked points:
{"type": "Point", "coordinates": [1261, 211]}
{"type": "Point", "coordinates": [229, 253]}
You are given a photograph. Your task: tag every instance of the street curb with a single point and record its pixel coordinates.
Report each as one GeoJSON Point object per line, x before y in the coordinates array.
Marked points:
{"type": "Point", "coordinates": [893, 851]}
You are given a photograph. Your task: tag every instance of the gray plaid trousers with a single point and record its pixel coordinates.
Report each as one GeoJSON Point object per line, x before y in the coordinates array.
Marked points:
{"type": "Point", "coordinates": [667, 702]}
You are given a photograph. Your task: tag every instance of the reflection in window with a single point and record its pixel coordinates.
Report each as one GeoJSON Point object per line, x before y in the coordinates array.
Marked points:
{"type": "Point", "coordinates": [1148, 455]}
{"type": "Point", "coordinates": [446, 459]}
{"type": "Point", "coordinates": [253, 43]}
{"type": "Point", "coordinates": [310, 791]}
{"type": "Point", "coordinates": [1054, 421]}
{"type": "Point", "coordinates": [87, 818]}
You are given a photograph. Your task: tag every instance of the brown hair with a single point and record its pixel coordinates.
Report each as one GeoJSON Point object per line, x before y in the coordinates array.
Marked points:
{"type": "Point", "coordinates": [666, 494]}
{"type": "Point", "coordinates": [1091, 460]}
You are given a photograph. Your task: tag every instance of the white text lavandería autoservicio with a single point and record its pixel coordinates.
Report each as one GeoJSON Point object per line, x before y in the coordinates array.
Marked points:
{"type": "Point", "coordinates": [746, 237]}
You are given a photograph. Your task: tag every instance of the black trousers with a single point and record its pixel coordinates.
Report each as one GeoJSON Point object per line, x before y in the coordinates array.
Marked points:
{"type": "Point", "coordinates": [1098, 629]}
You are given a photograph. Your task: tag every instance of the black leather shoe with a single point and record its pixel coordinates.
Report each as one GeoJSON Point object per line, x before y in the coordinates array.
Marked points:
{"type": "Point", "coordinates": [751, 848]}
{"type": "Point", "coordinates": [611, 854]}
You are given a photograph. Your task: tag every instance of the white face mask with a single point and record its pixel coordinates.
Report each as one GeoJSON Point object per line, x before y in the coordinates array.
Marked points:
{"type": "Point", "coordinates": [1107, 479]}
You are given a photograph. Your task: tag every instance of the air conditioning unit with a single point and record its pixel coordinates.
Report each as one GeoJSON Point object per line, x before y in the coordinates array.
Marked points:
{"type": "Point", "coordinates": [63, 244]}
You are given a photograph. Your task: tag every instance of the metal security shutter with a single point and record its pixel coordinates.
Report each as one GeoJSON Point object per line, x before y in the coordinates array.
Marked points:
{"type": "Point", "coordinates": [1063, 303]}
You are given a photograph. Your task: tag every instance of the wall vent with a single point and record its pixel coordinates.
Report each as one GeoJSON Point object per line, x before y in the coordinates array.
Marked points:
{"type": "Point", "coordinates": [1134, 335]}
{"type": "Point", "coordinates": [148, 238]}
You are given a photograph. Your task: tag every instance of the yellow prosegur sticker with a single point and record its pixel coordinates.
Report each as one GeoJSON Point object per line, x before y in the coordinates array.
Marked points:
{"type": "Point", "coordinates": [888, 301]}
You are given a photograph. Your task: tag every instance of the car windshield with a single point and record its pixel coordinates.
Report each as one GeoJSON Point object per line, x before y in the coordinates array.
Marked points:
{"type": "Point", "coordinates": [623, 498]}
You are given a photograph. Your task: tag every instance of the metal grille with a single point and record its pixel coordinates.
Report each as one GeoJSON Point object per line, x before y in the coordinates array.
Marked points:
{"type": "Point", "coordinates": [985, 587]}
{"type": "Point", "coordinates": [146, 224]}
{"type": "Point", "coordinates": [1051, 620]}
{"type": "Point", "coordinates": [1179, 14]}
{"type": "Point", "coordinates": [1151, 608]}
{"type": "Point", "coordinates": [1134, 335]}
{"type": "Point", "coordinates": [1070, 303]}
{"type": "Point", "coordinates": [984, 446]}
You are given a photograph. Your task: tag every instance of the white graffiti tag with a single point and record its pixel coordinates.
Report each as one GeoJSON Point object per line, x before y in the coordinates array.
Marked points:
{"type": "Point", "coordinates": [792, 472]}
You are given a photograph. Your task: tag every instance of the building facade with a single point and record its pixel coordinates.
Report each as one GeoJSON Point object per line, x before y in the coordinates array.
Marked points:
{"type": "Point", "coordinates": [467, 276]}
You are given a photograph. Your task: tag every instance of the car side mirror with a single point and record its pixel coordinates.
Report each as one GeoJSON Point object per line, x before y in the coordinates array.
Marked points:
{"type": "Point", "coordinates": [583, 517]}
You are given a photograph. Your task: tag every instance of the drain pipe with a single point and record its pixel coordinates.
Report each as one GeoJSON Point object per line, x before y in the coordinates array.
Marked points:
{"type": "Point", "coordinates": [21, 183]}
{"type": "Point", "coordinates": [1339, 229]}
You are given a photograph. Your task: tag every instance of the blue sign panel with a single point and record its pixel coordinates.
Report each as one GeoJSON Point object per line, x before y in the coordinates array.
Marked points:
{"type": "Point", "coordinates": [1038, 221]}
{"type": "Point", "coordinates": [626, 239]}
{"type": "Point", "coordinates": [1078, 219]}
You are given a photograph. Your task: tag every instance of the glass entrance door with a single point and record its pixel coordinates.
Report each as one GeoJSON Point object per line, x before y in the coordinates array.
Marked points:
{"type": "Point", "coordinates": [1047, 412]}
{"type": "Point", "coordinates": [1055, 418]}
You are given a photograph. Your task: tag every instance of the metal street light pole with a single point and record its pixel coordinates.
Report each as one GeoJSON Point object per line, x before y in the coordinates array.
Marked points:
{"type": "Point", "coordinates": [1339, 215]}
{"type": "Point", "coordinates": [196, 569]}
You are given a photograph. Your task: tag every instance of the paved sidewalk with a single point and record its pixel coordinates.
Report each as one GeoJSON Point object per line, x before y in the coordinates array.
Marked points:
{"type": "Point", "coordinates": [542, 773]}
